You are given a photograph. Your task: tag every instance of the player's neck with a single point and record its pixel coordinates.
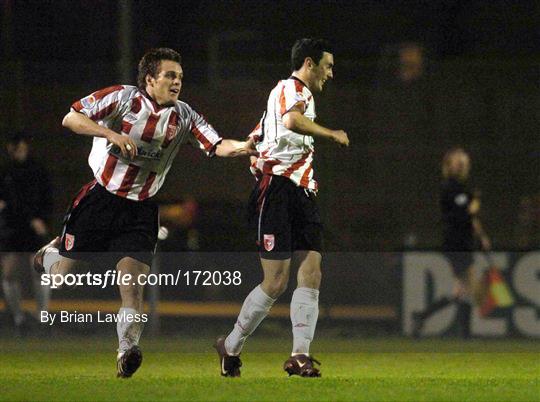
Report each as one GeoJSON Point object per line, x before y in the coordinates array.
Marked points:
{"type": "Point", "coordinates": [302, 76]}
{"type": "Point", "coordinates": [152, 99]}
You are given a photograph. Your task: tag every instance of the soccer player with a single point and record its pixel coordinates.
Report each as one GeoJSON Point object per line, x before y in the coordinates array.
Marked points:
{"type": "Point", "coordinates": [460, 212]}
{"type": "Point", "coordinates": [283, 208]}
{"type": "Point", "coordinates": [136, 134]}
{"type": "Point", "coordinates": [25, 207]}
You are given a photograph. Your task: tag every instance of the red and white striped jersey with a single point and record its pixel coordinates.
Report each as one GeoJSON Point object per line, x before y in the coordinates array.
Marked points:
{"type": "Point", "coordinates": [158, 132]}
{"type": "Point", "coordinates": [283, 152]}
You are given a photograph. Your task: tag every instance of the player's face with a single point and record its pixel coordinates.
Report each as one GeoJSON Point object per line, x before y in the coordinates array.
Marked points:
{"type": "Point", "coordinates": [322, 72]}
{"type": "Point", "coordinates": [165, 88]}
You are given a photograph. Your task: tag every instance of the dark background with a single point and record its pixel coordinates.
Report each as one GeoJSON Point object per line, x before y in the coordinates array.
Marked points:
{"type": "Point", "coordinates": [479, 88]}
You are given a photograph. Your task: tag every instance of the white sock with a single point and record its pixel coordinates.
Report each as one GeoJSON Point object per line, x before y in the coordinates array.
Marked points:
{"type": "Point", "coordinates": [255, 308]}
{"type": "Point", "coordinates": [42, 293]}
{"type": "Point", "coordinates": [129, 331]}
{"type": "Point", "coordinates": [12, 295]}
{"type": "Point", "coordinates": [50, 257]}
{"type": "Point", "coordinates": [304, 314]}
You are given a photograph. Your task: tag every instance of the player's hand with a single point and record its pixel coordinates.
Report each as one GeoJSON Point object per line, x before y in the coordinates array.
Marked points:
{"type": "Point", "coordinates": [127, 146]}
{"type": "Point", "coordinates": [340, 137]}
{"type": "Point", "coordinates": [250, 147]}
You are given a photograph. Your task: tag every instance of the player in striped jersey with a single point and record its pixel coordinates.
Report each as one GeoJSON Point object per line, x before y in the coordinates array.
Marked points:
{"type": "Point", "coordinates": [136, 132]}
{"type": "Point", "coordinates": [283, 208]}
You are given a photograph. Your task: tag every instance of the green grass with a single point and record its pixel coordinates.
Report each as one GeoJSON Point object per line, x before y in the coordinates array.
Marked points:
{"type": "Point", "coordinates": [187, 369]}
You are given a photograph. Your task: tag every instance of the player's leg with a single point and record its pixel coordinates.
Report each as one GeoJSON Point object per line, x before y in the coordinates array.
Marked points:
{"type": "Point", "coordinates": [304, 312]}
{"type": "Point", "coordinates": [48, 260]}
{"type": "Point", "coordinates": [134, 242]}
{"type": "Point", "coordinates": [305, 302]}
{"type": "Point", "coordinates": [258, 303]}
{"type": "Point", "coordinates": [83, 233]}
{"type": "Point", "coordinates": [11, 286]}
{"type": "Point", "coordinates": [255, 308]}
{"type": "Point", "coordinates": [128, 328]}
{"type": "Point", "coordinates": [269, 217]}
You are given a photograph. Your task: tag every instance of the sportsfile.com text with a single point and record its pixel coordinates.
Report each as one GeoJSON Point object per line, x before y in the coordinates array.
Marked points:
{"type": "Point", "coordinates": [113, 278]}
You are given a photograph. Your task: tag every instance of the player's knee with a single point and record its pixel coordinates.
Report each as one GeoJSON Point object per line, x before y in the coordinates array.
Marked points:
{"type": "Point", "coordinates": [133, 267]}
{"type": "Point", "coordinates": [310, 272]}
{"type": "Point", "coordinates": [276, 286]}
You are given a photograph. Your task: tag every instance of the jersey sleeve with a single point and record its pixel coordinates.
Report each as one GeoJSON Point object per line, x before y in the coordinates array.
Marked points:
{"type": "Point", "coordinates": [104, 103]}
{"type": "Point", "coordinates": [292, 94]}
{"type": "Point", "coordinates": [203, 135]}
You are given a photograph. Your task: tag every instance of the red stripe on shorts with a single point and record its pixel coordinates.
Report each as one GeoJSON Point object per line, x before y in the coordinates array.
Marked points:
{"type": "Point", "coordinates": [264, 183]}
{"type": "Point", "coordinates": [82, 192]}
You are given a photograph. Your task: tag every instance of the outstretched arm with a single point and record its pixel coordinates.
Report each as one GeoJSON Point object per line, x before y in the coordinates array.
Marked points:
{"type": "Point", "coordinates": [233, 148]}
{"type": "Point", "coordinates": [83, 125]}
{"type": "Point", "coordinates": [295, 121]}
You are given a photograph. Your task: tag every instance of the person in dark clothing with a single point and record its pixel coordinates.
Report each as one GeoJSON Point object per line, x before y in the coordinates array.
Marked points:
{"type": "Point", "coordinates": [25, 206]}
{"type": "Point", "coordinates": [462, 229]}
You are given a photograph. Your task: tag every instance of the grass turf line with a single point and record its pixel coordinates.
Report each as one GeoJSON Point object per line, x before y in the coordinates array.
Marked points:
{"type": "Point", "coordinates": [187, 369]}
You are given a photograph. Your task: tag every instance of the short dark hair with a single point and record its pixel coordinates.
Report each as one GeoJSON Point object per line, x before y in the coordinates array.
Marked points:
{"type": "Point", "coordinates": [308, 47]}
{"type": "Point", "coordinates": [149, 63]}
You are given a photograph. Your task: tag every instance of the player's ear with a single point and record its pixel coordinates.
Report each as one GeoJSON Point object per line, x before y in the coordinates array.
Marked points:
{"type": "Point", "coordinates": [149, 79]}
{"type": "Point", "coordinates": [308, 62]}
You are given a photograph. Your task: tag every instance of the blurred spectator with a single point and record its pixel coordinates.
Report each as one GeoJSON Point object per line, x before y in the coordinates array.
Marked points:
{"type": "Point", "coordinates": [411, 61]}
{"type": "Point", "coordinates": [404, 63]}
{"type": "Point", "coordinates": [460, 209]}
{"type": "Point", "coordinates": [25, 206]}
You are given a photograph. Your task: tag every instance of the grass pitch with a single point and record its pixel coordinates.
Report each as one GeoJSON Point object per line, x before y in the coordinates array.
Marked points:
{"type": "Point", "coordinates": [79, 369]}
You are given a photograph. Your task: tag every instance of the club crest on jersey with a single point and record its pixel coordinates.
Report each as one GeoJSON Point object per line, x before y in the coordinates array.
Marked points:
{"type": "Point", "coordinates": [69, 241]}
{"type": "Point", "coordinates": [88, 102]}
{"type": "Point", "coordinates": [269, 242]}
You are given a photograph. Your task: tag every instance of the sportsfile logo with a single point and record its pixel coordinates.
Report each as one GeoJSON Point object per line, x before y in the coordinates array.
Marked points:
{"type": "Point", "coordinates": [113, 278]}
